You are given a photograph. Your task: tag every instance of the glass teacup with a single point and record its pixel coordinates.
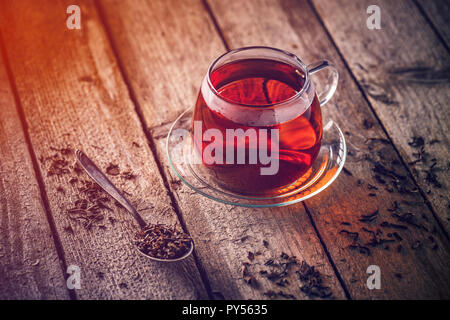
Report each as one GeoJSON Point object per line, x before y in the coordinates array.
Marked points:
{"type": "Point", "coordinates": [257, 123]}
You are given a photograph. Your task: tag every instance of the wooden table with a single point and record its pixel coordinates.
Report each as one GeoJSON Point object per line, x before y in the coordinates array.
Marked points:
{"type": "Point", "coordinates": [114, 87]}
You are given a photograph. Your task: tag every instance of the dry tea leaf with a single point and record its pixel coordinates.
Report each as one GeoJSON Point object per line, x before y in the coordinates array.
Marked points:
{"type": "Point", "coordinates": [162, 242]}
{"type": "Point", "coordinates": [113, 170]}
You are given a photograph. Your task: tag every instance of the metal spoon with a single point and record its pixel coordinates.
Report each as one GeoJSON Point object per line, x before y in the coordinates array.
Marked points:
{"type": "Point", "coordinates": [98, 176]}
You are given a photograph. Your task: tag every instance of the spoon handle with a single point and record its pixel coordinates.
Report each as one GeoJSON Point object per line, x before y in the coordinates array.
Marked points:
{"type": "Point", "coordinates": [95, 173]}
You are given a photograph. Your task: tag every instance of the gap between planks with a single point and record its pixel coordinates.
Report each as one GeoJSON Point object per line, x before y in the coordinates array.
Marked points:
{"type": "Point", "coordinates": [324, 247]}
{"type": "Point", "coordinates": [39, 179]}
{"type": "Point", "coordinates": [150, 140]}
{"type": "Point", "coordinates": [433, 26]}
{"type": "Point", "coordinates": [233, 25]}
{"type": "Point", "coordinates": [216, 25]}
{"type": "Point", "coordinates": [330, 259]}
{"type": "Point", "coordinates": [154, 184]}
{"type": "Point", "coordinates": [363, 93]}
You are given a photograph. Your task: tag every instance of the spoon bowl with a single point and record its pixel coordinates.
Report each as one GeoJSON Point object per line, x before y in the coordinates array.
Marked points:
{"type": "Point", "coordinates": [187, 254]}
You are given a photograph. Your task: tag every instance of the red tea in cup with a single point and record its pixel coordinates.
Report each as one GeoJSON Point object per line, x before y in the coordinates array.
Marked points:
{"type": "Point", "coordinates": [250, 103]}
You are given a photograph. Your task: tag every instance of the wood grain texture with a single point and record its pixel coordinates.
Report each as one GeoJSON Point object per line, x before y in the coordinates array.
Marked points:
{"type": "Point", "coordinates": [166, 55]}
{"type": "Point", "coordinates": [392, 66]}
{"type": "Point", "coordinates": [438, 12]}
{"type": "Point", "coordinates": [217, 229]}
{"type": "Point", "coordinates": [224, 236]}
{"type": "Point", "coordinates": [419, 273]}
{"type": "Point", "coordinates": [29, 264]}
{"type": "Point", "coordinates": [72, 94]}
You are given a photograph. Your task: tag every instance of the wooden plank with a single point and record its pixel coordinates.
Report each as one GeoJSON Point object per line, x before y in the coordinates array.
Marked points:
{"type": "Point", "coordinates": [410, 274]}
{"type": "Point", "coordinates": [438, 12]}
{"type": "Point", "coordinates": [29, 266]}
{"type": "Point", "coordinates": [72, 94]}
{"type": "Point", "coordinates": [407, 105]}
{"type": "Point", "coordinates": [220, 231]}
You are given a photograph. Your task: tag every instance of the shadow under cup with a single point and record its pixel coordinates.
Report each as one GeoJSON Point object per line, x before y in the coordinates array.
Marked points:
{"type": "Point", "coordinates": [257, 123]}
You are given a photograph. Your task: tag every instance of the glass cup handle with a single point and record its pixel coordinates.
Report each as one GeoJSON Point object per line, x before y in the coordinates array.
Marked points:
{"type": "Point", "coordinates": [333, 78]}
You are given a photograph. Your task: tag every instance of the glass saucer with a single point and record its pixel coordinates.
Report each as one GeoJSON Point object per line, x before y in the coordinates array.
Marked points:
{"type": "Point", "coordinates": [324, 171]}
